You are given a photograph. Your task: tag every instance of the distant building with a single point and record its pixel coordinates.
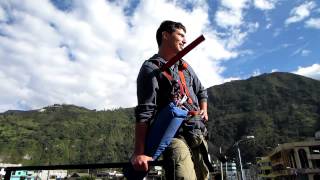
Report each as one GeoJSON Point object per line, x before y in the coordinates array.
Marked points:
{"type": "Point", "coordinates": [298, 160]}
{"type": "Point", "coordinates": [22, 175]}
{"type": "Point", "coordinates": [230, 170]}
{"type": "Point", "coordinates": [3, 166]}
{"type": "Point", "coordinates": [264, 169]}
{"type": "Point", "coordinates": [52, 174]}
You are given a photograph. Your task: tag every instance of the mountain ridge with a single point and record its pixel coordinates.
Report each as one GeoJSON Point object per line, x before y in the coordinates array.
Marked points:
{"type": "Point", "coordinates": [275, 108]}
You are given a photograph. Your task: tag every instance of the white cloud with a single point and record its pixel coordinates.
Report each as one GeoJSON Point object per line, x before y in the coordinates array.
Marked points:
{"type": "Point", "coordinates": [230, 14]}
{"type": "Point", "coordinates": [228, 18]}
{"type": "Point", "coordinates": [305, 52]}
{"type": "Point", "coordinates": [237, 37]}
{"type": "Point", "coordinates": [300, 13]}
{"type": "Point", "coordinates": [36, 64]}
{"type": "Point", "coordinates": [265, 4]}
{"type": "Point", "coordinates": [90, 56]}
{"type": "Point", "coordinates": [3, 16]}
{"type": "Point", "coordinates": [252, 27]}
{"type": "Point", "coordinates": [310, 71]}
{"type": "Point", "coordinates": [277, 32]}
{"type": "Point", "coordinates": [268, 26]}
{"type": "Point", "coordinates": [313, 23]}
{"type": "Point", "coordinates": [231, 79]}
{"type": "Point", "coordinates": [256, 72]}
{"type": "Point", "coordinates": [235, 5]}
{"type": "Point", "coordinates": [302, 51]}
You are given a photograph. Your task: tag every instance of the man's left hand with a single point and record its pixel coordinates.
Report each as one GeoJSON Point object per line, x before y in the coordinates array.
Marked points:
{"type": "Point", "coordinates": [204, 115]}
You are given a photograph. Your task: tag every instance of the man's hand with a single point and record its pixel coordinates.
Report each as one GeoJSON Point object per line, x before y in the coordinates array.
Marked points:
{"type": "Point", "coordinates": [140, 162]}
{"type": "Point", "coordinates": [204, 115]}
{"type": "Point", "coordinates": [203, 110]}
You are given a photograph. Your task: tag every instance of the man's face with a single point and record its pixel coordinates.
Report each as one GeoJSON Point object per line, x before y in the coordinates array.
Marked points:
{"type": "Point", "coordinates": [176, 40]}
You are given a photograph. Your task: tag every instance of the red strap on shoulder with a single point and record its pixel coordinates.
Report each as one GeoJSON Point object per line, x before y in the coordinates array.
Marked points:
{"type": "Point", "coordinates": [183, 81]}
{"type": "Point", "coordinates": [167, 75]}
{"type": "Point", "coordinates": [170, 78]}
{"type": "Point", "coordinates": [182, 84]}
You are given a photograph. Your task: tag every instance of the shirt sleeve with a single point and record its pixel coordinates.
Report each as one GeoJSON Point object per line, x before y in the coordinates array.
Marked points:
{"type": "Point", "coordinates": [198, 88]}
{"type": "Point", "coordinates": [147, 86]}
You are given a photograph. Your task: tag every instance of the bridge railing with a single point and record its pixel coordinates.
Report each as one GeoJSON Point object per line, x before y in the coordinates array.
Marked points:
{"type": "Point", "coordinates": [9, 170]}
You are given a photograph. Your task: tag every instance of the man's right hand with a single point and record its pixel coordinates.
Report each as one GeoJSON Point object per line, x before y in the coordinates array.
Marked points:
{"type": "Point", "coordinates": [140, 162]}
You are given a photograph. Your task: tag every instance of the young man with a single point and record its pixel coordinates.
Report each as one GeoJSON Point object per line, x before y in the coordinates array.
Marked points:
{"type": "Point", "coordinates": [154, 92]}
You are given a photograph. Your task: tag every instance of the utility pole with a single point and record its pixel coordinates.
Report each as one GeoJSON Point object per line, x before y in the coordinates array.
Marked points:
{"type": "Point", "coordinates": [239, 154]}
{"type": "Point", "coordinates": [221, 166]}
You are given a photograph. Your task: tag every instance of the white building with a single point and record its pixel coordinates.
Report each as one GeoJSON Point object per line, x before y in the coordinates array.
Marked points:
{"type": "Point", "coordinates": [52, 174]}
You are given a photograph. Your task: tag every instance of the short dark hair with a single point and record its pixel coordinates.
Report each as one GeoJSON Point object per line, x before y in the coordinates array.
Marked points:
{"type": "Point", "coordinates": [170, 27]}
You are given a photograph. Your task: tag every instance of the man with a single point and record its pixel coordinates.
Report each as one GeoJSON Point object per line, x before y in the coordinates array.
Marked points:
{"type": "Point", "coordinates": [154, 93]}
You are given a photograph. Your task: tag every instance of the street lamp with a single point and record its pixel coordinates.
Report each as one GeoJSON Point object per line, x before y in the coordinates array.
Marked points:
{"type": "Point", "coordinates": [239, 154]}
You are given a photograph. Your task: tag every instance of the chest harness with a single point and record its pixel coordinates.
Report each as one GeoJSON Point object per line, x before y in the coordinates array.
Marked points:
{"type": "Point", "coordinates": [194, 130]}
{"type": "Point", "coordinates": [180, 93]}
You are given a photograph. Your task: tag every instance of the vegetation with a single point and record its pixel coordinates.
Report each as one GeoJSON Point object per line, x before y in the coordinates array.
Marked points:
{"type": "Point", "coordinates": [275, 108]}
{"type": "Point", "coordinates": [66, 134]}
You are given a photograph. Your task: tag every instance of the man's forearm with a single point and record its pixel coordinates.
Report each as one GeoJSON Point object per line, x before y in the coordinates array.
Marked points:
{"type": "Point", "coordinates": [140, 136]}
{"type": "Point", "coordinates": [204, 105]}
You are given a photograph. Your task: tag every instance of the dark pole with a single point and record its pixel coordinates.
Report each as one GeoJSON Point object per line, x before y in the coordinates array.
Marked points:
{"type": "Point", "coordinates": [7, 175]}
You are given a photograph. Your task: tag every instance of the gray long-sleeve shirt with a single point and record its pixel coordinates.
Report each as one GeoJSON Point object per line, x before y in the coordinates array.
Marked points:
{"type": "Point", "coordinates": [154, 90]}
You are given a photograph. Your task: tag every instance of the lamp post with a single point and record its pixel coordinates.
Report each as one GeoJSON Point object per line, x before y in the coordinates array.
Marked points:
{"type": "Point", "coordinates": [239, 154]}
{"type": "Point", "coordinates": [221, 168]}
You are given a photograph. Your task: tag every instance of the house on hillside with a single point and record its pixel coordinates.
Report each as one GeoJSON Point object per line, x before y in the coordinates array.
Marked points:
{"type": "Point", "coordinates": [297, 160]}
{"type": "Point", "coordinates": [264, 168]}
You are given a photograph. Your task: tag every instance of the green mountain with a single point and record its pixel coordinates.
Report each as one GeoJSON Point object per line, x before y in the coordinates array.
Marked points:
{"type": "Point", "coordinates": [275, 108]}
{"type": "Point", "coordinates": [66, 134]}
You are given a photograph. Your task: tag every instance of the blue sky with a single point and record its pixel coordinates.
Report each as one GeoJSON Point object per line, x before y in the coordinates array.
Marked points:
{"type": "Point", "coordinates": [277, 45]}
{"type": "Point", "coordinates": [88, 53]}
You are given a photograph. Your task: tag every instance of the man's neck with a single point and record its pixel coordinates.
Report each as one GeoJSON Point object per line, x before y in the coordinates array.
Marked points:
{"type": "Point", "coordinates": [165, 54]}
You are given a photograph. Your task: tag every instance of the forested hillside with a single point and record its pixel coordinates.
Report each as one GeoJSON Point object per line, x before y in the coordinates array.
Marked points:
{"type": "Point", "coordinates": [275, 108]}
{"type": "Point", "coordinates": [66, 134]}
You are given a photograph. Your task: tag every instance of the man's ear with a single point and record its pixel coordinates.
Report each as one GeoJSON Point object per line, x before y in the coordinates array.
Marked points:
{"type": "Point", "coordinates": [165, 35]}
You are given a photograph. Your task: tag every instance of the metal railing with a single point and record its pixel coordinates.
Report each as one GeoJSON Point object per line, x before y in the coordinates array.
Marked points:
{"type": "Point", "coordinates": [9, 170]}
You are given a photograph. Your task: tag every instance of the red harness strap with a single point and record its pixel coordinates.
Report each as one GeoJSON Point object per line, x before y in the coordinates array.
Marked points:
{"type": "Point", "coordinates": [186, 89]}
{"type": "Point", "coordinates": [182, 84]}
{"type": "Point", "coordinates": [183, 81]}
{"type": "Point", "coordinates": [170, 78]}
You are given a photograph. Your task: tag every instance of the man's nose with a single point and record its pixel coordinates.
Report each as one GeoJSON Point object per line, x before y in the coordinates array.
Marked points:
{"type": "Point", "coordinates": [184, 41]}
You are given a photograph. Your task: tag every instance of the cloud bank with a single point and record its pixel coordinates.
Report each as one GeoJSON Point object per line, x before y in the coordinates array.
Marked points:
{"type": "Point", "coordinates": [88, 53]}
{"type": "Point", "coordinates": [300, 12]}
{"type": "Point", "coordinates": [311, 71]}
